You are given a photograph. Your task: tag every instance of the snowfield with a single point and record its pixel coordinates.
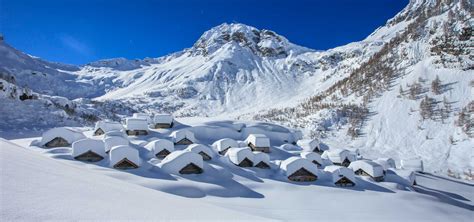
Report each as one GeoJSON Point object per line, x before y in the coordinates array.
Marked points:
{"type": "Point", "coordinates": [403, 97]}
{"type": "Point", "coordinates": [49, 184]}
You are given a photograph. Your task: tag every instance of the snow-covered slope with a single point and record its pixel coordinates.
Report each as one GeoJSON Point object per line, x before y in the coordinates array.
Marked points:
{"type": "Point", "coordinates": [35, 187]}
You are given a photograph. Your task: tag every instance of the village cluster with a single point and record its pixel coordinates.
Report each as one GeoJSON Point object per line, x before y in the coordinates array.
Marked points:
{"type": "Point", "coordinates": [181, 154]}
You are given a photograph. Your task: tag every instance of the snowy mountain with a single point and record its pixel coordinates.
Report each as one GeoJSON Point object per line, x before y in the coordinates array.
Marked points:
{"type": "Point", "coordinates": [376, 95]}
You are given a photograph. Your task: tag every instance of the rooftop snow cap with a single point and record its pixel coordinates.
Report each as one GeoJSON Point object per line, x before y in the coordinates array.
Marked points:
{"type": "Point", "coordinates": [371, 168]}
{"type": "Point", "coordinates": [55, 136]}
{"type": "Point", "coordinates": [133, 123]}
{"type": "Point", "coordinates": [258, 140]}
{"type": "Point", "coordinates": [223, 144]}
{"type": "Point", "coordinates": [163, 118]}
{"type": "Point", "coordinates": [183, 137]}
{"type": "Point", "coordinates": [142, 116]}
{"type": "Point", "coordinates": [124, 157]}
{"type": "Point", "coordinates": [408, 176]}
{"type": "Point", "coordinates": [339, 172]}
{"type": "Point", "coordinates": [261, 160]}
{"type": "Point", "coordinates": [386, 163]}
{"type": "Point", "coordinates": [107, 126]}
{"type": "Point", "coordinates": [203, 150]}
{"type": "Point", "coordinates": [114, 141]}
{"type": "Point", "coordinates": [182, 162]}
{"type": "Point", "coordinates": [84, 145]}
{"type": "Point", "coordinates": [116, 133]}
{"type": "Point", "coordinates": [311, 145]}
{"type": "Point", "coordinates": [241, 156]}
{"type": "Point", "coordinates": [337, 156]}
{"type": "Point", "coordinates": [412, 164]}
{"type": "Point", "coordinates": [160, 147]}
{"type": "Point", "coordinates": [312, 156]}
{"type": "Point", "coordinates": [295, 163]}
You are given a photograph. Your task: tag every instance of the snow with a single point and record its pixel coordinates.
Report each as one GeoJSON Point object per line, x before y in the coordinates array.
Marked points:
{"type": "Point", "coordinates": [226, 75]}
{"type": "Point", "coordinates": [69, 134]}
{"type": "Point", "coordinates": [337, 172]}
{"type": "Point", "coordinates": [412, 164]}
{"type": "Point", "coordinates": [81, 146]}
{"type": "Point", "coordinates": [253, 191]}
{"type": "Point", "coordinates": [386, 163]}
{"type": "Point", "coordinates": [338, 155]}
{"type": "Point", "coordinates": [118, 153]}
{"type": "Point", "coordinates": [133, 123]}
{"type": "Point", "coordinates": [237, 155]}
{"type": "Point", "coordinates": [308, 144]}
{"type": "Point", "coordinates": [260, 157]}
{"type": "Point", "coordinates": [108, 126]}
{"type": "Point", "coordinates": [258, 140]}
{"type": "Point", "coordinates": [223, 144]}
{"type": "Point", "coordinates": [114, 141]}
{"type": "Point", "coordinates": [197, 148]}
{"type": "Point", "coordinates": [182, 134]}
{"type": "Point", "coordinates": [408, 176]}
{"type": "Point", "coordinates": [157, 146]}
{"type": "Point", "coordinates": [113, 133]}
{"type": "Point", "coordinates": [294, 163]}
{"type": "Point", "coordinates": [163, 118]}
{"type": "Point", "coordinates": [40, 188]}
{"type": "Point", "coordinates": [142, 116]}
{"type": "Point", "coordinates": [370, 167]}
{"type": "Point", "coordinates": [177, 160]}
{"type": "Point", "coordinates": [311, 156]}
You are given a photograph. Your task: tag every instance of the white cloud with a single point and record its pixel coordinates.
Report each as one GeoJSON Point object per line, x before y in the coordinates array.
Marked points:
{"type": "Point", "coordinates": [75, 44]}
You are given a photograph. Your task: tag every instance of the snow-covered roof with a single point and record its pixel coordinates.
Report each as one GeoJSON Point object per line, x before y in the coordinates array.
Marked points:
{"type": "Point", "coordinates": [258, 140]}
{"type": "Point", "coordinates": [408, 175]}
{"type": "Point", "coordinates": [260, 156]}
{"type": "Point", "coordinates": [157, 146]}
{"type": "Point", "coordinates": [370, 167]}
{"type": "Point", "coordinates": [116, 133]}
{"type": "Point", "coordinates": [177, 160]}
{"type": "Point", "coordinates": [311, 156]}
{"type": "Point", "coordinates": [142, 116]}
{"type": "Point", "coordinates": [112, 141]}
{"type": "Point", "coordinates": [225, 143]}
{"type": "Point", "coordinates": [337, 172]}
{"type": "Point", "coordinates": [412, 164]}
{"type": "Point", "coordinates": [181, 134]}
{"type": "Point", "coordinates": [294, 163]}
{"type": "Point", "coordinates": [237, 155]}
{"type": "Point", "coordinates": [108, 126]}
{"type": "Point", "coordinates": [132, 123]}
{"type": "Point", "coordinates": [386, 163]}
{"type": "Point", "coordinates": [118, 153]}
{"type": "Point", "coordinates": [163, 118]}
{"type": "Point", "coordinates": [290, 147]}
{"type": "Point", "coordinates": [197, 148]}
{"type": "Point", "coordinates": [69, 134]}
{"type": "Point", "coordinates": [308, 144]}
{"type": "Point", "coordinates": [338, 155]}
{"type": "Point", "coordinates": [81, 146]}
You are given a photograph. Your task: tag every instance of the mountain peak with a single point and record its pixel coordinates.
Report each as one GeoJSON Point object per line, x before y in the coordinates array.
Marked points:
{"type": "Point", "coordinates": [261, 42]}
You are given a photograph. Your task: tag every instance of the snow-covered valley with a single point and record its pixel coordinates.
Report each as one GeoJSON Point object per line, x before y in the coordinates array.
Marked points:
{"type": "Point", "coordinates": [223, 190]}
{"type": "Point", "coordinates": [404, 93]}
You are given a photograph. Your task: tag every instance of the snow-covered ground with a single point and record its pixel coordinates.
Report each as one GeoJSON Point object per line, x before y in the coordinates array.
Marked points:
{"type": "Point", "coordinates": [49, 184]}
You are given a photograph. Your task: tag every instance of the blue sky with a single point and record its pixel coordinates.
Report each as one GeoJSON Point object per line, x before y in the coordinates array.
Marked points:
{"type": "Point", "coordinates": [81, 31]}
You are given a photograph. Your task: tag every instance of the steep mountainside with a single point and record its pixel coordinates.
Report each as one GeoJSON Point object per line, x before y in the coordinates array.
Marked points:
{"type": "Point", "coordinates": [405, 91]}
{"type": "Point", "coordinates": [411, 99]}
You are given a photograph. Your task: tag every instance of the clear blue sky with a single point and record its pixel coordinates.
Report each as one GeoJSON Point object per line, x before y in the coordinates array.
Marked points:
{"type": "Point", "coordinates": [81, 31]}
